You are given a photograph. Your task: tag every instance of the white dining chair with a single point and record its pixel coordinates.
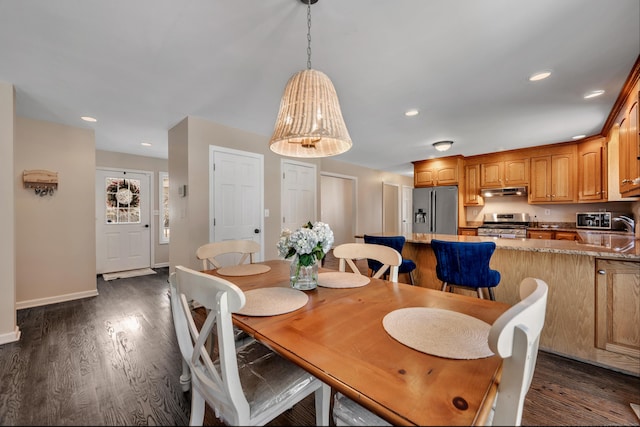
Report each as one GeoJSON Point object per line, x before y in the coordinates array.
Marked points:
{"type": "Point", "coordinates": [348, 253]}
{"type": "Point", "coordinates": [209, 251]}
{"type": "Point", "coordinates": [515, 337]}
{"type": "Point", "coordinates": [248, 385]}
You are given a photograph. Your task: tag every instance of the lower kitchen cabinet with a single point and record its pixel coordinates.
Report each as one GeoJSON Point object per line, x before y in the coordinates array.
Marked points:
{"type": "Point", "coordinates": [617, 308]}
{"type": "Point", "coordinates": [540, 234]}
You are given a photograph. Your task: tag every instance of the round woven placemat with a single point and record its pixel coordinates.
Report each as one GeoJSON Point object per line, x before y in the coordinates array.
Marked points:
{"type": "Point", "coordinates": [243, 270]}
{"type": "Point", "coordinates": [439, 332]}
{"type": "Point", "coordinates": [273, 301]}
{"type": "Point", "coordinates": [342, 279]}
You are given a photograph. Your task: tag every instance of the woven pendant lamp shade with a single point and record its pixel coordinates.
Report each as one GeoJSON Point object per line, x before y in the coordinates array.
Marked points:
{"type": "Point", "coordinates": [310, 122]}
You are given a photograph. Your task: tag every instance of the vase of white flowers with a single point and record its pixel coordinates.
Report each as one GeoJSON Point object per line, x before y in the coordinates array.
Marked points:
{"type": "Point", "coordinates": [307, 246]}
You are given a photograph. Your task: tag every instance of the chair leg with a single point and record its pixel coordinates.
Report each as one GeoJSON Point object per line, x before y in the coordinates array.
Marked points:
{"type": "Point", "coordinates": [197, 408]}
{"type": "Point", "coordinates": [411, 278]}
{"type": "Point", "coordinates": [480, 294]}
{"type": "Point", "coordinates": [491, 296]}
{"type": "Point", "coordinates": [323, 402]}
{"type": "Point", "coordinates": [444, 286]}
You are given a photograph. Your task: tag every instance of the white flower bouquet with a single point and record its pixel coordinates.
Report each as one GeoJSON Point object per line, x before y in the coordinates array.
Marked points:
{"type": "Point", "coordinates": [310, 243]}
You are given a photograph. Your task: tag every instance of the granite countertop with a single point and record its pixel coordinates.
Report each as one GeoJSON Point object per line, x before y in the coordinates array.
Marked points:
{"type": "Point", "coordinates": [622, 245]}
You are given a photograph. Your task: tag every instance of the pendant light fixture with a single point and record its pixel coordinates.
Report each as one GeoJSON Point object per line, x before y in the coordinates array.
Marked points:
{"type": "Point", "coordinates": [310, 122]}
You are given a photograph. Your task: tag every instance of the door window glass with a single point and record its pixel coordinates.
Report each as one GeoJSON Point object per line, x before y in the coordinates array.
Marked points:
{"type": "Point", "coordinates": [122, 201]}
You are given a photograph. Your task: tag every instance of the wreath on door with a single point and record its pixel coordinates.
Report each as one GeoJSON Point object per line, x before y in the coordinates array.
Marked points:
{"type": "Point", "coordinates": [124, 193]}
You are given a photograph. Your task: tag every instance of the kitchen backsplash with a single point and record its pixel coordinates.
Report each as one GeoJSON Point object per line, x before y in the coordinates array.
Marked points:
{"type": "Point", "coordinates": [557, 213]}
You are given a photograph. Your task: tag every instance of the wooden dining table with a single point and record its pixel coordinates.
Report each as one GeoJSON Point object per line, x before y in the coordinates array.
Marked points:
{"type": "Point", "coordinates": [338, 336]}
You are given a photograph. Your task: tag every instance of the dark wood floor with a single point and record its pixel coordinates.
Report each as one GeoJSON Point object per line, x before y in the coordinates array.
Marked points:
{"type": "Point", "coordinates": [113, 360]}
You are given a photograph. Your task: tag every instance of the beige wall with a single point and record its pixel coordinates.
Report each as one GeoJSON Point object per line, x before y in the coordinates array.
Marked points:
{"type": "Point", "coordinates": [189, 143]}
{"type": "Point", "coordinates": [110, 159]}
{"type": "Point", "coordinates": [55, 235]}
{"type": "Point", "coordinates": [9, 330]}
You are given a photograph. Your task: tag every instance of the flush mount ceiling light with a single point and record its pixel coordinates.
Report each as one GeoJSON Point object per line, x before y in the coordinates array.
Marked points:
{"type": "Point", "coordinates": [88, 119]}
{"type": "Point", "coordinates": [411, 113]}
{"type": "Point", "coordinates": [442, 145]}
{"type": "Point", "coordinates": [309, 122]}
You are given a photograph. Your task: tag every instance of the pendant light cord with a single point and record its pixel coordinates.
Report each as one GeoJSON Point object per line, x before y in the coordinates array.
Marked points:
{"type": "Point", "coordinates": [309, 35]}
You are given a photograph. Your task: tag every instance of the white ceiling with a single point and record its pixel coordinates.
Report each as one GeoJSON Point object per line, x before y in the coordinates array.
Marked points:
{"type": "Point", "coordinates": [141, 66]}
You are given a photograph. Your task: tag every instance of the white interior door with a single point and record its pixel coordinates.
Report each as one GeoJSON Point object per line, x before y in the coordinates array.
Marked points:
{"type": "Point", "coordinates": [236, 180]}
{"type": "Point", "coordinates": [407, 209]}
{"type": "Point", "coordinates": [390, 208]}
{"type": "Point", "coordinates": [123, 220]}
{"type": "Point", "coordinates": [338, 206]}
{"type": "Point", "coordinates": [299, 201]}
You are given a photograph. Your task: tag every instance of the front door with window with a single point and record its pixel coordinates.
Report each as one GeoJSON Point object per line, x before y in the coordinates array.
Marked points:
{"type": "Point", "coordinates": [122, 221]}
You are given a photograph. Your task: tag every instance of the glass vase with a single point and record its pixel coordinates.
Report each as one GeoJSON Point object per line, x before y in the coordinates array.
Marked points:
{"type": "Point", "coordinates": [303, 277]}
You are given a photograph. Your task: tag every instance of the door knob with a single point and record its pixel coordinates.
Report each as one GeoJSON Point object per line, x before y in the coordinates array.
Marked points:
{"type": "Point", "coordinates": [257, 231]}
{"type": "Point", "coordinates": [146, 226]}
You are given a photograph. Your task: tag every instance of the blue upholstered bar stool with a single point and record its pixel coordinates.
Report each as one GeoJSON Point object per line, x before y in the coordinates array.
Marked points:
{"type": "Point", "coordinates": [397, 243]}
{"type": "Point", "coordinates": [465, 265]}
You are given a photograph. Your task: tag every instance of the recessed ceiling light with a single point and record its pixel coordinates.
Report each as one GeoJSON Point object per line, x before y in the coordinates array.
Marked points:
{"type": "Point", "coordinates": [146, 144]}
{"type": "Point", "coordinates": [539, 76]}
{"type": "Point", "coordinates": [593, 94]}
{"type": "Point", "coordinates": [411, 113]}
{"type": "Point", "coordinates": [88, 119]}
{"type": "Point", "coordinates": [578, 136]}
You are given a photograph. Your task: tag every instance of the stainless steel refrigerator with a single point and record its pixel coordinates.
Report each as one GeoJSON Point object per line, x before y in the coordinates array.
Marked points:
{"type": "Point", "coordinates": [435, 210]}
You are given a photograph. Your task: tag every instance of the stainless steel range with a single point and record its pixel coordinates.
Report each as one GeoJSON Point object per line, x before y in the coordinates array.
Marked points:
{"type": "Point", "coordinates": [505, 225]}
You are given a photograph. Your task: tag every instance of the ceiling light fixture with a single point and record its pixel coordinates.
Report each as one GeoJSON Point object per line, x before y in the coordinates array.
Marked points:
{"type": "Point", "coordinates": [309, 122]}
{"type": "Point", "coordinates": [578, 136]}
{"type": "Point", "coordinates": [411, 113]}
{"type": "Point", "coordinates": [88, 119]}
{"type": "Point", "coordinates": [146, 144]}
{"type": "Point", "coordinates": [539, 76]}
{"type": "Point", "coordinates": [593, 94]}
{"type": "Point", "coordinates": [442, 145]}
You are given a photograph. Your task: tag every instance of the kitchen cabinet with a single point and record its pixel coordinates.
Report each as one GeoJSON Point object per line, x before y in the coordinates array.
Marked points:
{"type": "Point", "coordinates": [553, 178]}
{"type": "Point", "coordinates": [629, 159]}
{"type": "Point", "coordinates": [467, 231]}
{"type": "Point", "coordinates": [592, 170]}
{"type": "Point", "coordinates": [617, 307]}
{"type": "Point", "coordinates": [535, 234]}
{"type": "Point", "coordinates": [552, 235]}
{"type": "Point", "coordinates": [437, 172]}
{"type": "Point", "coordinates": [472, 186]}
{"type": "Point", "coordinates": [565, 235]}
{"type": "Point", "coordinates": [504, 172]}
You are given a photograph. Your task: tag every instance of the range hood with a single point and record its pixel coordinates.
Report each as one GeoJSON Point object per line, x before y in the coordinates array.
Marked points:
{"type": "Point", "coordinates": [505, 191]}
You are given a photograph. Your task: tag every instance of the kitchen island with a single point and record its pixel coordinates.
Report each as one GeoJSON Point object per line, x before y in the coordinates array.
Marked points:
{"type": "Point", "coordinates": [593, 308]}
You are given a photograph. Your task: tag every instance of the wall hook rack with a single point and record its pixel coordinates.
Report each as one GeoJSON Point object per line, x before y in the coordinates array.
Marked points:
{"type": "Point", "coordinates": [42, 181]}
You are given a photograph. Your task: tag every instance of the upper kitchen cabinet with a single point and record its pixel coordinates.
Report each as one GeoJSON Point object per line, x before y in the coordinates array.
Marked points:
{"type": "Point", "coordinates": [630, 150]}
{"type": "Point", "coordinates": [504, 170]}
{"type": "Point", "coordinates": [472, 185]}
{"type": "Point", "coordinates": [624, 141]}
{"type": "Point", "coordinates": [437, 172]}
{"type": "Point", "coordinates": [554, 175]}
{"type": "Point", "coordinates": [592, 170]}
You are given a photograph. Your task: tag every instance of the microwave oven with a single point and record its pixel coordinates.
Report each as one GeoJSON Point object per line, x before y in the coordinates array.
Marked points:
{"type": "Point", "coordinates": [594, 220]}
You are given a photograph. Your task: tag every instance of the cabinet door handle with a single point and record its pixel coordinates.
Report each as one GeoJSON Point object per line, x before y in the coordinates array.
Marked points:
{"type": "Point", "coordinates": [602, 272]}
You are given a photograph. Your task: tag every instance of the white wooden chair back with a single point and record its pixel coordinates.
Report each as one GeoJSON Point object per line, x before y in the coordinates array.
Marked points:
{"type": "Point", "coordinates": [389, 257]}
{"type": "Point", "coordinates": [209, 251]}
{"type": "Point", "coordinates": [217, 382]}
{"type": "Point", "coordinates": [515, 337]}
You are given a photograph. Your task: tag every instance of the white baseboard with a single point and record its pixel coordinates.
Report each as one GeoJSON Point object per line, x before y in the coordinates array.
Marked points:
{"type": "Point", "coordinates": [161, 264]}
{"type": "Point", "coordinates": [10, 337]}
{"type": "Point", "coordinates": [53, 300]}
